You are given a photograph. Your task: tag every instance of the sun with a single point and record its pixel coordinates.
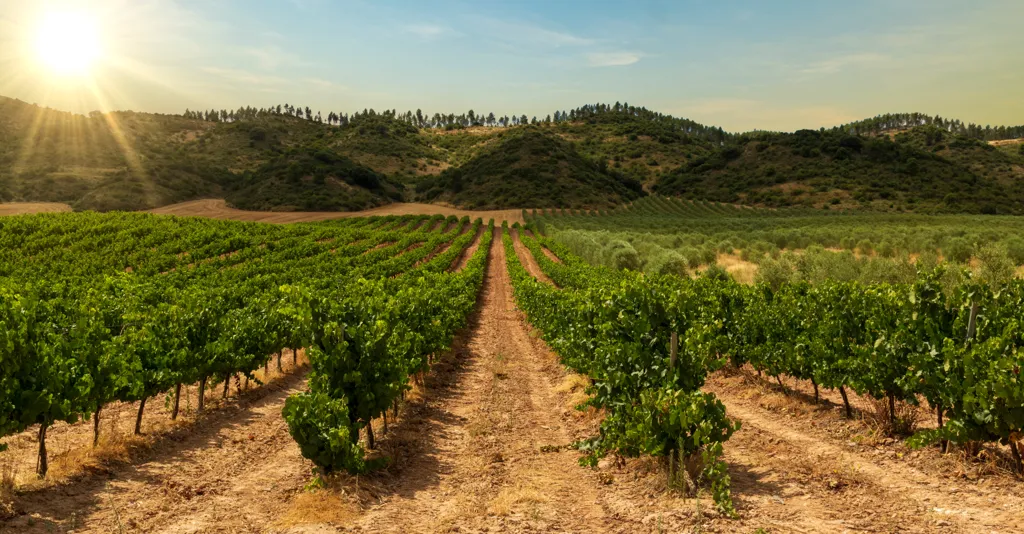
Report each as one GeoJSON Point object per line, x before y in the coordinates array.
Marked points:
{"type": "Point", "coordinates": [68, 42]}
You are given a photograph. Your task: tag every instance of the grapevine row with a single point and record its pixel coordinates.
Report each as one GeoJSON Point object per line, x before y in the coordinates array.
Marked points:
{"type": "Point", "coordinates": [958, 347]}
{"type": "Point", "coordinates": [102, 308]}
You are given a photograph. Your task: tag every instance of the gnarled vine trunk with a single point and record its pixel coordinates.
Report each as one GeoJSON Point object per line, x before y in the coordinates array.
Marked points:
{"type": "Point", "coordinates": [177, 401]}
{"type": "Point", "coordinates": [846, 402]}
{"type": "Point", "coordinates": [42, 466]}
{"type": "Point", "coordinates": [202, 394]}
{"type": "Point", "coordinates": [138, 418]}
{"type": "Point", "coordinates": [96, 427]}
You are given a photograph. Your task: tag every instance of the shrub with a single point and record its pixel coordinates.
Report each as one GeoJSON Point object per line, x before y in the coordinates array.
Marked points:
{"type": "Point", "coordinates": [622, 255]}
{"type": "Point", "coordinates": [692, 255]}
{"type": "Point", "coordinates": [669, 262]}
{"type": "Point", "coordinates": [958, 250]}
{"type": "Point", "coordinates": [996, 266]}
{"type": "Point", "coordinates": [774, 272]}
{"type": "Point", "coordinates": [1015, 249]}
{"type": "Point", "coordinates": [886, 249]}
{"type": "Point", "coordinates": [321, 427]}
{"type": "Point", "coordinates": [716, 272]}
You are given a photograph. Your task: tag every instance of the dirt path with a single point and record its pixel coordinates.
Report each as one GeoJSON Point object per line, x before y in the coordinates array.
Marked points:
{"type": "Point", "coordinates": [484, 469]}
{"type": "Point", "coordinates": [551, 255]}
{"type": "Point", "coordinates": [233, 471]}
{"type": "Point", "coordinates": [528, 261]}
{"type": "Point", "coordinates": [860, 481]}
{"type": "Point", "coordinates": [467, 254]}
{"type": "Point", "coordinates": [20, 208]}
{"type": "Point", "coordinates": [791, 474]}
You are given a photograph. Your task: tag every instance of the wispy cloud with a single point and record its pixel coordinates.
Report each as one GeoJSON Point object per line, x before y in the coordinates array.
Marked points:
{"type": "Point", "coordinates": [320, 83]}
{"type": "Point", "coordinates": [528, 33]}
{"type": "Point", "coordinates": [427, 31]}
{"type": "Point", "coordinates": [613, 59]}
{"type": "Point", "coordinates": [839, 63]}
{"type": "Point", "coordinates": [270, 57]}
{"type": "Point", "coordinates": [269, 83]}
{"type": "Point", "coordinates": [245, 77]}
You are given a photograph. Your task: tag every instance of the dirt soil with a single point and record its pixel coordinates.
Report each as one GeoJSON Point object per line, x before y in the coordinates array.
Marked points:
{"type": "Point", "coordinates": [551, 255]}
{"type": "Point", "coordinates": [919, 490]}
{"type": "Point", "coordinates": [484, 446]}
{"type": "Point", "coordinates": [797, 466]}
{"type": "Point", "coordinates": [218, 209]}
{"type": "Point", "coordinates": [528, 261]}
{"type": "Point", "coordinates": [233, 470]}
{"type": "Point", "coordinates": [467, 254]}
{"type": "Point", "coordinates": [21, 208]}
{"type": "Point", "coordinates": [482, 467]}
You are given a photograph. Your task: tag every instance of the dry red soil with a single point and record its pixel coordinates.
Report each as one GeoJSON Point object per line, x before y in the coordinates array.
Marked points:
{"type": "Point", "coordinates": [218, 209]}
{"type": "Point", "coordinates": [20, 208]}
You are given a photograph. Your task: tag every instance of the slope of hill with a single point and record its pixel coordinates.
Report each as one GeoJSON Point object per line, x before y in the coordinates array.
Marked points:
{"type": "Point", "coordinates": [924, 169]}
{"type": "Point", "coordinates": [122, 160]}
{"type": "Point", "coordinates": [531, 167]}
{"type": "Point", "coordinates": [591, 157]}
{"type": "Point", "coordinates": [311, 179]}
{"type": "Point", "coordinates": [133, 161]}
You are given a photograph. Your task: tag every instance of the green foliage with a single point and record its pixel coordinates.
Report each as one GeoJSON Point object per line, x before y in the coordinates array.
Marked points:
{"type": "Point", "coordinates": [321, 426]}
{"type": "Point", "coordinates": [958, 250]}
{"type": "Point", "coordinates": [996, 266]}
{"type": "Point", "coordinates": [1015, 250]}
{"type": "Point", "coordinates": [530, 168]}
{"type": "Point", "coordinates": [616, 329]}
{"type": "Point", "coordinates": [595, 156]}
{"type": "Point", "coordinates": [885, 327]}
{"type": "Point", "coordinates": [311, 179]}
{"type": "Point", "coordinates": [774, 273]}
{"type": "Point", "coordinates": [924, 169]}
{"type": "Point", "coordinates": [122, 307]}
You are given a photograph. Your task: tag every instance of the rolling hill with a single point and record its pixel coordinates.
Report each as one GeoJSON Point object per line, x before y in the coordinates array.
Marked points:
{"type": "Point", "coordinates": [925, 169]}
{"type": "Point", "coordinates": [594, 156]}
{"type": "Point", "coordinates": [310, 179]}
{"type": "Point", "coordinates": [530, 167]}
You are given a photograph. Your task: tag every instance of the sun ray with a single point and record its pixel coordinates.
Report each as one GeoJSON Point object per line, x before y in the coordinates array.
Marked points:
{"type": "Point", "coordinates": [28, 146]}
{"type": "Point", "coordinates": [132, 158]}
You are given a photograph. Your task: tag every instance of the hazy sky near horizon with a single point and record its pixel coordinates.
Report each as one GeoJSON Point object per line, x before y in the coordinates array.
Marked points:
{"type": "Point", "coordinates": [742, 65]}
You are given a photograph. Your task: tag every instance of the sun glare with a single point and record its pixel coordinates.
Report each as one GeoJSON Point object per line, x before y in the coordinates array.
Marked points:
{"type": "Point", "coordinates": [68, 42]}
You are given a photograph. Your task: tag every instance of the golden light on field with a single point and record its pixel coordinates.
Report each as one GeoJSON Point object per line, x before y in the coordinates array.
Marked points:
{"type": "Point", "coordinates": [68, 42]}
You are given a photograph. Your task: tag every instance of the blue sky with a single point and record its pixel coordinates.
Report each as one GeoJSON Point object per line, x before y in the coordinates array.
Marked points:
{"type": "Point", "coordinates": [742, 65]}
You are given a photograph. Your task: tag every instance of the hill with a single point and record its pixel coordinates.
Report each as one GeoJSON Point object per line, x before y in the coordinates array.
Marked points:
{"type": "Point", "coordinates": [122, 160]}
{"type": "Point", "coordinates": [593, 156]}
{"type": "Point", "coordinates": [925, 168]}
{"type": "Point", "coordinates": [530, 167]}
{"type": "Point", "coordinates": [311, 179]}
{"type": "Point", "coordinates": [135, 161]}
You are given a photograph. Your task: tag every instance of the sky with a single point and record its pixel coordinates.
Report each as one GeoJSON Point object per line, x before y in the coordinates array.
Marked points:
{"type": "Point", "coordinates": [742, 65]}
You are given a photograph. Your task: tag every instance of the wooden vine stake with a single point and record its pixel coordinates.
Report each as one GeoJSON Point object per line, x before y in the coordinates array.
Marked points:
{"type": "Point", "coordinates": [972, 328]}
{"type": "Point", "coordinates": [672, 358]}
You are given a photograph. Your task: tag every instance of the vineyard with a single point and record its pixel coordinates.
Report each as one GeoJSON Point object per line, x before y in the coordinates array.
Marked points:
{"type": "Point", "coordinates": [126, 307]}
{"type": "Point", "coordinates": [420, 400]}
{"type": "Point", "coordinates": [956, 348]}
